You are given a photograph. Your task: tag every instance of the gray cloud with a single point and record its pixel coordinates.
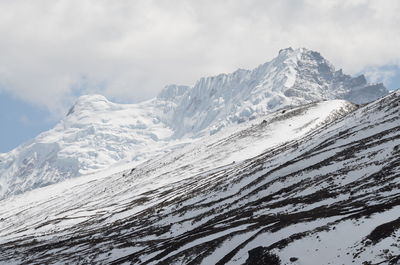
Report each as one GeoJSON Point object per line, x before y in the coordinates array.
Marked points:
{"type": "Point", "coordinates": [128, 50]}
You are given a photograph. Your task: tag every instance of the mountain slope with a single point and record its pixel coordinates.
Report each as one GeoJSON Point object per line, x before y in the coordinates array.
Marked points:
{"type": "Point", "coordinates": [329, 196]}
{"type": "Point", "coordinates": [97, 134]}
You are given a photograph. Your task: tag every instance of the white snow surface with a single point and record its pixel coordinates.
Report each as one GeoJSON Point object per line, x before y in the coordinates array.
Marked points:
{"type": "Point", "coordinates": [97, 133]}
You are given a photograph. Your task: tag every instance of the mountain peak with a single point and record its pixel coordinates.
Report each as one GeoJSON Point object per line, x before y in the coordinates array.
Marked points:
{"type": "Point", "coordinates": [92, 98]}
{"type": "Point", "coordinates": [93, 102]}
{"type": "Point", "coordinates": [301, 55]}
{"type": "Point", "coordinates": [285, 51]}
{"type": "Point", "coordinates": [296, 52]}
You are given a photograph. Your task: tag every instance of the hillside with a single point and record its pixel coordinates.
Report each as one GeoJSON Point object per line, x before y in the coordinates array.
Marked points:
{"type": "Point", "coordinates": [314, 184]}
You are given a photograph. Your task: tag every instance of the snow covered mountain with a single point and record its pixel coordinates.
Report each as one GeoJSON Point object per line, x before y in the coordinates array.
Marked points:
{"type": "Point", "coordinates": [94, 135]}
{"type": "Point", "coordinates": [314, 184]}
{"type": "Point", "coordinates": [293, 78]}
{"type": "Point", "coordinates": [97, 133]}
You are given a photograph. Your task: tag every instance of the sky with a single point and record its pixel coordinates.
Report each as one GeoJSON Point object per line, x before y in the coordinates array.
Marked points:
{"type": "Point", "coordinates": [52, 51]}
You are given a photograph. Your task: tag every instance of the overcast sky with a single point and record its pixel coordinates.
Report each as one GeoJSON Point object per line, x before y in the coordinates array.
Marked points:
{"type": "Point", "coordinates": [51, 51]}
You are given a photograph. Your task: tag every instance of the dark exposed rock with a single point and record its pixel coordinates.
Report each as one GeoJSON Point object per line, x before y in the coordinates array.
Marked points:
{"type": "Point", "coordinates": [384, 230]}
{"type": "Point", "coordinates": [260, 256]}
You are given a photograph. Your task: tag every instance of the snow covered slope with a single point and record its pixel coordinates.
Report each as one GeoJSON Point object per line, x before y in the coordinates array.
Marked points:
{"type": "Point", "coordinates": [94, 135]}
{"type": "Point", "coordinates": [327, 192]}
{"type": "Point", "coordinates": [97, 134]}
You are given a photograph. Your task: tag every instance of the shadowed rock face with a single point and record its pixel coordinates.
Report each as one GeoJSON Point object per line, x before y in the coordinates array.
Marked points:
{"type": "Point", "coordinates": [330, 197]}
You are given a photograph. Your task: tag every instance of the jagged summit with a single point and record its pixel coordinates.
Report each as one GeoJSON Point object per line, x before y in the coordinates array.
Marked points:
{"type": "Point", "coordinates": [97, 133]}
{"type": "Point", "coordinates": [285, 50]}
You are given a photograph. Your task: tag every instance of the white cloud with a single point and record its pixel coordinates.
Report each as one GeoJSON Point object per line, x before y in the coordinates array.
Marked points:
{"type": "Point", "coordinates": [379, 75]}
{"type": "Point", "coordinates": [129, 50]}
